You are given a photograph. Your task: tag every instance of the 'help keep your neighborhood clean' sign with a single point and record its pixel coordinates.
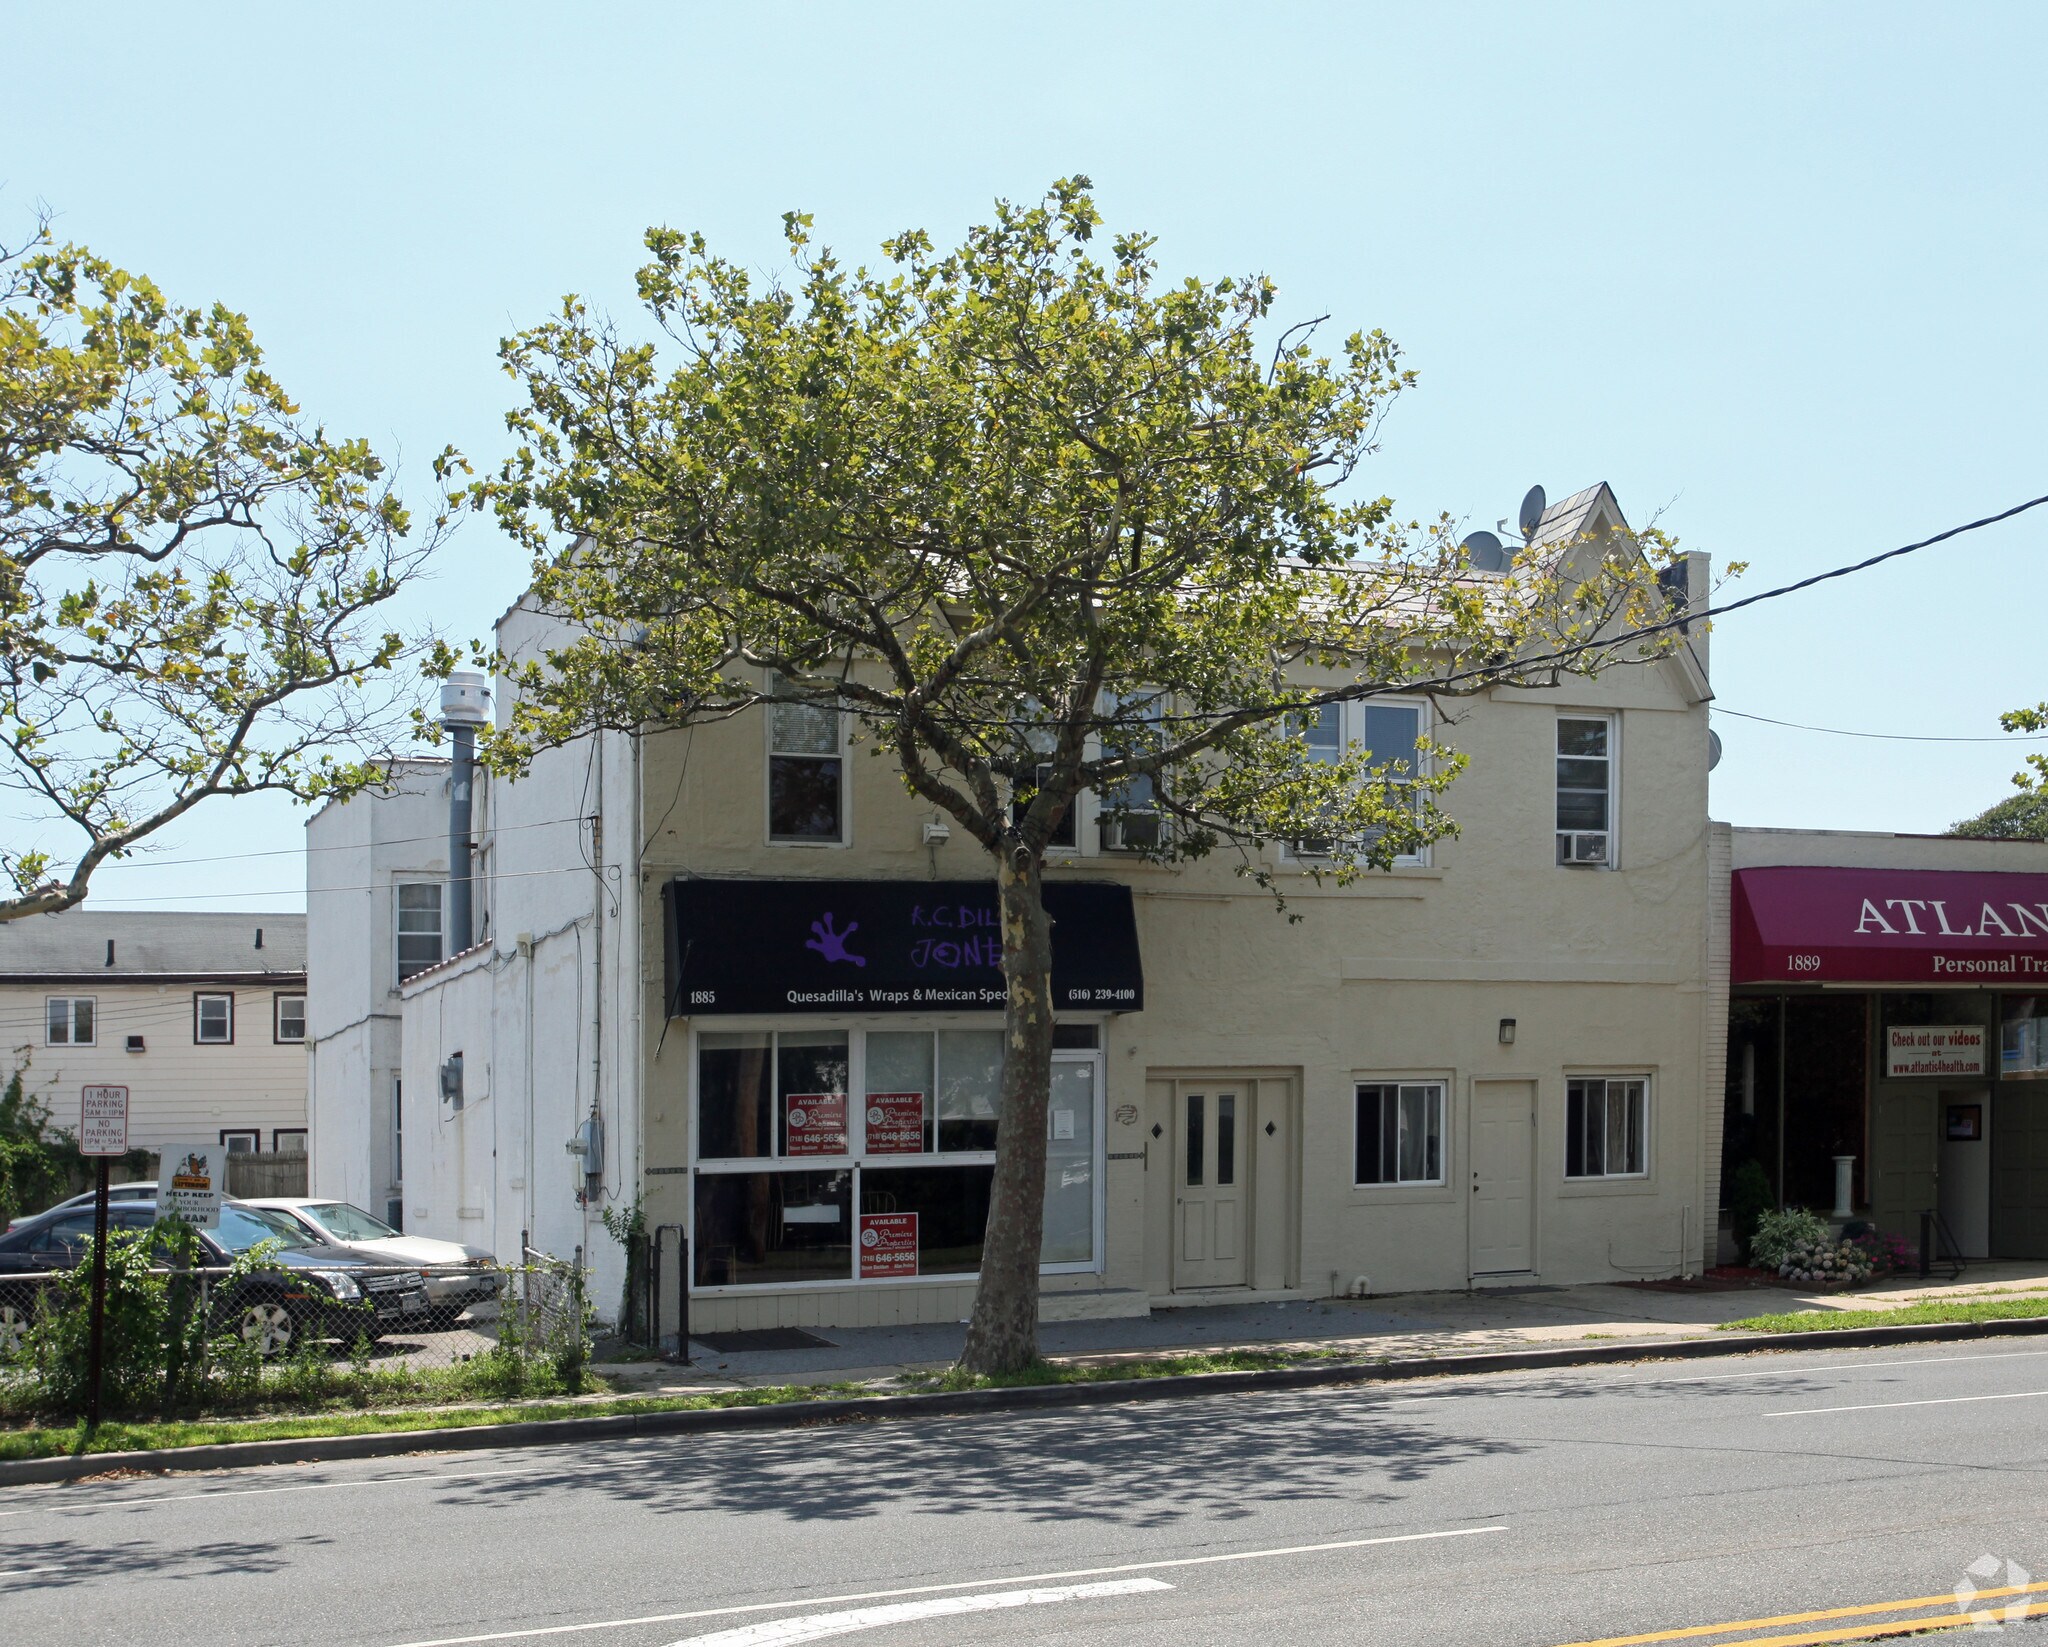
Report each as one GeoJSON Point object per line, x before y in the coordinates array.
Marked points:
{"type": "Point", "coordinates": [190, 1180]}
{"type": "Point", "coordinates": [103, 1121]}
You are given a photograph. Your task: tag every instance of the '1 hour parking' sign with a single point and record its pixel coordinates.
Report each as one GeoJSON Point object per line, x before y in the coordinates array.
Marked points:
{"type": "Point", "coordinates": [103, 1121]}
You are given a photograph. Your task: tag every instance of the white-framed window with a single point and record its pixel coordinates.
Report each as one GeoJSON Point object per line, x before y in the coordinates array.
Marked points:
{"type": "Point", "coordinates": [287, 1018]}
{"type": "Point", "coordinates": [1397, 1132]}
{"type": "Point", "coordinates": [286, 1139]}
{"type": "Point", "coordinates": [71, 1021]}
{"type": "Point", "coordinates": [1391, 729]}
{"type": "Point", "coordinates": [1585, 790]}
{"type": "Point", "coordinates": [241, 1140]}
{"type": "Point", "coordinates": [418, 926]}
{"type": "Point", "coordinates": [806, 774]}
{"type": "Point", "coordinates": [213, 1018]}
{"type": "Point", "coordinates": [1130, 819]}
{"type": "Point", "coordinates": [867, 1155]}
{"type": "Point", "coordinates": [1607, 1126]}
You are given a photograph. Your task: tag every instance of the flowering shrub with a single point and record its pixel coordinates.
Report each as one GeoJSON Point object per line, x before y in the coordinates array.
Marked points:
{"type": "Point", "coordinates": [1888, 1254]}
{"type": "Point", "coordinates": [1826, 1262]}
{"type": "Point", "coordinates": [1778, 1232]}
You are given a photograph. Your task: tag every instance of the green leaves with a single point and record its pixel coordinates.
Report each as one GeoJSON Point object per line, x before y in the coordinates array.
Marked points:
{"type": "Point", "coordinates": [188, 570]}
{"type": "Point", "coordinates": [989, 501]}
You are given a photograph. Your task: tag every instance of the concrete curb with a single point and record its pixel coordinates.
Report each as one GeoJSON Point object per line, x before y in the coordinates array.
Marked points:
{"type": "Point", "coordinates": [885, 1408]}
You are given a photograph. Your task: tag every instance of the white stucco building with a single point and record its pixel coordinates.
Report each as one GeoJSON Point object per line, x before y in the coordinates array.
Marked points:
{"type": "Point", "coordinates": [1497, 1063]}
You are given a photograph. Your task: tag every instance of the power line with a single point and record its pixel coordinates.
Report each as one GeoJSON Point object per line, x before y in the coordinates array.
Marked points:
{"type": "Point", "coordinates": [365, 886]}
{"type": "Point", "coordinates": [300, 851]}
{"type": "Point", "coordinates": [1889, 737]}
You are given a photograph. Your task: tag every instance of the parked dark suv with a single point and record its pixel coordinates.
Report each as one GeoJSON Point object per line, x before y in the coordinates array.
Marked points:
{"type": "Point", "coordinates": [312, 1292]}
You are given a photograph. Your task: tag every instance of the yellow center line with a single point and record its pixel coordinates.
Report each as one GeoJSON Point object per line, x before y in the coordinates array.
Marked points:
{"type": "Point", "coordinates": [1896, 1627]}
{"type": "Point", "coordinates": [1697, 1630]}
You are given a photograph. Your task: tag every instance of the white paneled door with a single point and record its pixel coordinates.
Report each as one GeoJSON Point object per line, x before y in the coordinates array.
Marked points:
{"type": "Point", "coordinates": [1502, 1200]}
{"type": "Point", "coordinates": [1211, 1140]}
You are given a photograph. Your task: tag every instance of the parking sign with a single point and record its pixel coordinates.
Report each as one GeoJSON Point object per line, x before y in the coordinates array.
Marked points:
{"type": "Point", "coordinates": [103, 1121]}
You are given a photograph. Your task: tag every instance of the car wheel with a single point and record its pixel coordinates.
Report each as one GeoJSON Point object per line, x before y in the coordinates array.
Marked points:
{"type": "Point", "coordinates": [266, 1326]}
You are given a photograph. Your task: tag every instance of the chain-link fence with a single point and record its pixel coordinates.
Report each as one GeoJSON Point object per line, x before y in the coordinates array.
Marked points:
{"type": "Point", "coordinates": [283, 1332]}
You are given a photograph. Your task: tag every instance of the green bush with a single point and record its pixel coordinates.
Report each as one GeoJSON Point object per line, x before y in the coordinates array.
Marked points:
{"type": "Point", "coordinates": [1778, 1234]}
{"type": "Point", "coordinates": [1749, 1199]}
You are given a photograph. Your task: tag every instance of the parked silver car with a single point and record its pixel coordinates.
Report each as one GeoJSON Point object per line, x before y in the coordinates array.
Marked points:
{"type": "Point", "coordinates": [116, 1195]}
{"type": "Point", "coordinates": [457, 1276]}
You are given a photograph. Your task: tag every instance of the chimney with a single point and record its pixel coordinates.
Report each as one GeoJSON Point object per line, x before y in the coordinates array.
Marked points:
{"type": "Point", "coordinates": [110, 952]}
{"type": "Point", "coordinates": [259, 937]}
{"type": "Point", "coordinates": [465, 706]}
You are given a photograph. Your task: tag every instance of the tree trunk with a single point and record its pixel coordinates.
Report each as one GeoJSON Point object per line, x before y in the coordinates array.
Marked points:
{"type": "Point", "coordinates": [1002, 1333]}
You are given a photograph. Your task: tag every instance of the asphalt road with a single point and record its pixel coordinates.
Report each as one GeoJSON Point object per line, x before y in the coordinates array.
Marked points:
{"type": "Point", "coordinates": [1536, 1509]}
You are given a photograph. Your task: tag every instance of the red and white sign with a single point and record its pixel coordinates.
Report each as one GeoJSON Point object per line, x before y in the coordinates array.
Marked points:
{"type": "Point", "coordinates": [103, 1121]}
{"type": "Point", "coordinates": [817, 1124]}
{"type": "Point", "coordinates": [895, 1123]}
{"type": "Point", "coordinates": [888, 1245]}
{"type": "Point", "coordinates": [1825, 924]}
{"type": "Point", "coordinates": [1935, 1049]}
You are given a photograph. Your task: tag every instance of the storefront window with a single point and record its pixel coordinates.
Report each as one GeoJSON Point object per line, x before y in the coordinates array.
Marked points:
{"type": "Point", "coordinates": [755, 1227]}
{"type": "Point", "coordinates": [733, 1096]}
{"type": "Point", "coordinates": [898, 1111]}
{"type": "Point", "coordinates": [940, 1212]}
{"type": "Point", "coordinates": [970, 1088]}
{"type": "Point", "coordinates": [910, 1118]}
{"type": "Point", "coordinates": [2023, 1036]}
{"type": "Point", "coordinates": [810, 1092]}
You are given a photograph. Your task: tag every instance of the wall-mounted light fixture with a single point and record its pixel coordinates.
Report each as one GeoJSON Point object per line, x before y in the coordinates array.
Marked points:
{"type": "Point", "coordinates": [1507, 1032]}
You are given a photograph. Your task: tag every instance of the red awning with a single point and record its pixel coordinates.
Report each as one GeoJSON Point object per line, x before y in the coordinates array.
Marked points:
{"type": "Point", "coordinates": [1794, 924]}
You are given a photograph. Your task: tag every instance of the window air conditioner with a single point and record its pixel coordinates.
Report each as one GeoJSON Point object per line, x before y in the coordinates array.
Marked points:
{"type": "Point", "coordinates": [1582, 850]}
{"type": "Point", "coordinates": [1132, 832]}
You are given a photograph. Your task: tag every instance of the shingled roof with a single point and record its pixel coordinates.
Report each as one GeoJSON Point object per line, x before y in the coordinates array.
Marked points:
{"type": "Point", "coordinates": [160, 944]}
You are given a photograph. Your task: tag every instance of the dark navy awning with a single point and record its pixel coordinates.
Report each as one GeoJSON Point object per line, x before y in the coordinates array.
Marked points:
{"type": "Point", "coordinates": [885, 946]}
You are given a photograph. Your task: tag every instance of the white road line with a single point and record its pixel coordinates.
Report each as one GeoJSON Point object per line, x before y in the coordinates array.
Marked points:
{"type": "Point", "coordinates": [970, 1584]}
{"type": "Point", "coordinates": [815, 1626]}
{"type": "Point", "coordinates": [1877, 1406]}
{"type": "Point", "coordinates": [23, 1572]}
{"type": "Point", "coordinates": [1835, 1367]}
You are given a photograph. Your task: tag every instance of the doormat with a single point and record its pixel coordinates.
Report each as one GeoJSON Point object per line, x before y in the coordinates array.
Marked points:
{"type": "Point", "coordinates": [761, 1338]}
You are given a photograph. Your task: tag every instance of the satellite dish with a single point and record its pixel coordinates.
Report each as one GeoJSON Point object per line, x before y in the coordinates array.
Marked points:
{"type": "Point", "coordinates": [1532, 511]}
{"type": "Point", "coordinates": [1485, 552]}
{"type": "Point", "coordinates": [1713, 749]}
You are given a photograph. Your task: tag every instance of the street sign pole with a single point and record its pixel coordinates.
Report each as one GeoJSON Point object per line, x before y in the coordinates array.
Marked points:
{"type": "Point", "coordinates": [95, 1355]}
{"type": "Point", "coordinates": [102, 1134]}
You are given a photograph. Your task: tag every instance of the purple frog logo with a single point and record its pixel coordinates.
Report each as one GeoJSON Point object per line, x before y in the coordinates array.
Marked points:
{"type": "Point", "coordinates": [832, 945]}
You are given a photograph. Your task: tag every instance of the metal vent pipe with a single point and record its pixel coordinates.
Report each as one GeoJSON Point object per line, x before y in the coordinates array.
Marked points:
{"type": "Point", "coordinates": [465, 706]}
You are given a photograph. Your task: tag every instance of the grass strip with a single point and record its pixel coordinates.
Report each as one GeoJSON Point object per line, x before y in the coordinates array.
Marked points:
{"type": "Point", "coordinates": [74, 1440]}
{"type": "Point", "coordinates": [1932, 1312]}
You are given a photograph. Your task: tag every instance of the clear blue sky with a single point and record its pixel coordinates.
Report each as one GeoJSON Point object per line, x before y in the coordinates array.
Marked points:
{"type": "Point", "coordinates": [1772, 271]}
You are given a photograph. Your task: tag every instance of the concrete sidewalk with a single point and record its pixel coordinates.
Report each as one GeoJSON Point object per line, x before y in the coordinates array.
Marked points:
{"type": "Point", "coordinates": [1401, 1325]}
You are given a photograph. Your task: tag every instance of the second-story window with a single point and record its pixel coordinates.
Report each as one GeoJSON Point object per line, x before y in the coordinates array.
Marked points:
{"type": "Point", "coordinates": [288, 1017]}
{"type": "Point", "coordinates": [213, 1019]}
{"type": "Point", "coordinates": [70, 1021]}
{"type": "Point", "coordinates": [1390, 730]}
{"type": "Point", "coordinates": [1585, 790]}
{"type": "Point", "coordinates": [419, 927]}
{"type": "Point", "coordinates": [806, 774]}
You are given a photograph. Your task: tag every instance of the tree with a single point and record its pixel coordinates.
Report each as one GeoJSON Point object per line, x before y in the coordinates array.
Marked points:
{"type": "Point", "coordinates": [1036, 523]}
{"type": "Point", "coordinates": [2021, 817]}
{"type": "Point", "coordinates": [190, 573]}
